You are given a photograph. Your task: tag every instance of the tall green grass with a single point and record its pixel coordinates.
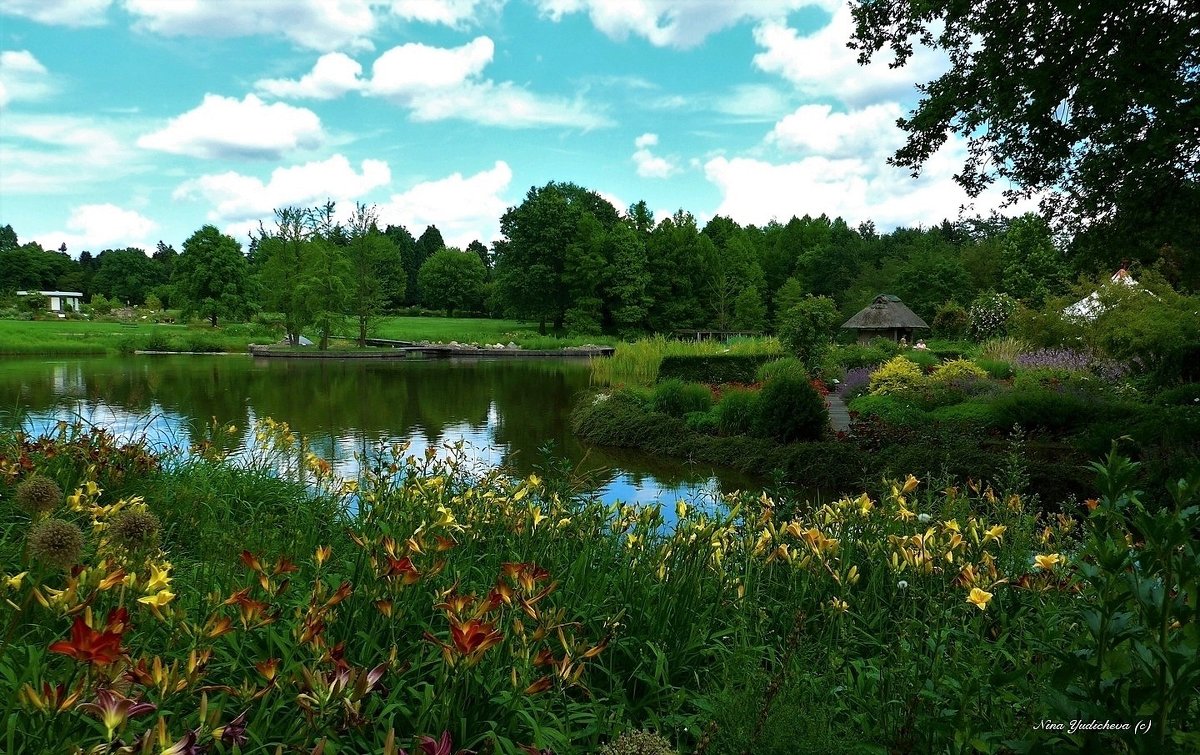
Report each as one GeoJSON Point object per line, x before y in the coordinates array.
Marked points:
{"type": "Point", "coordinates": [637, 363]}
{"type": "Point", "coordinates": [477, 330]}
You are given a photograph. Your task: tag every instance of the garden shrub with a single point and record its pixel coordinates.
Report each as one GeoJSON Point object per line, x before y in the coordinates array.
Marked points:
{"type": "Point", "coordinates": [712, 368]}
{"type": "Point", "coordinates": [735, 413]}
{"type": "Point", "coordinates": [677, 398]}
{"type": "Point", "coordinates": [951, 320]}
{"type": "Point", "coordinates": [1004, 349]}
{"type": "Point", "coordinates": [891, 409]}
{"type": "Point", "coordinates": [852, 355]}
{"type": "Point", "coordinates": [1042, 408]}
{"type": "Point", "coordinates": [898, 375]}
{"type": "Point", "coordinates": [957, 369]}
{"type": "Point", "coordinates": [989, 315]}
{"type": "Point", "coordinates": [1187, 394]}
{"type": "Point", "coordinates": [926, 360]}
{"type": "Point", "coordinates": [977, 414]}
{"type": "Point", "coordinates": [807, 328]}
{"type": "Point", "coordinates": [780, 367]}
{"type": "Point", "coordinates": [790, 409]}
{"type": "Point", "coordinates": [701, 422]}
{"type": "Point", "coordinates": [997, 369]}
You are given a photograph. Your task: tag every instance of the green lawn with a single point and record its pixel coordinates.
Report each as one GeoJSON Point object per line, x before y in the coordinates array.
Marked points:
{"type": "Point", "coordinates": [79, 337]}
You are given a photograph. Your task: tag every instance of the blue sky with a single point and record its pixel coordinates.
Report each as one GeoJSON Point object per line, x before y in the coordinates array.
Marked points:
{"type": "Point", "coordinates": [123, 122]}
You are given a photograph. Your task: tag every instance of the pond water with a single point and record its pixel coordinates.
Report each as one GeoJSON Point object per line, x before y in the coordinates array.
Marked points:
{"type": "Point", "coordinates": [511, 412]}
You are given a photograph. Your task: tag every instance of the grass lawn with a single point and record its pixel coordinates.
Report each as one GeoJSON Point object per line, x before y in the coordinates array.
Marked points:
{"type": "Point", "coordinates": [81, 337]}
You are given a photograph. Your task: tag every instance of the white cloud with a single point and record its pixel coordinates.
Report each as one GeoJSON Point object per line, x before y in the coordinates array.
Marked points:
{"type": "Point", "coordinates": [650, 165]}
{"type": "Point", "coordinates": [855, 188]}
{"type": "Point", "coordinates": [455, 13]}
{"type": "Point", "coordinates": [22, 77]}
{"type": "Point", "coordinates": [96, 227]}
{"type": "Point", "coordinates": [316, 24]}
{"type": "Point", "coordinates": [58, 154]}
{"type": "Point", "coordinates": [225, 128]}
{"type": "Point", "coordinates": [672, 23]}
{"type": "Point", "coordinates": [439, 83]}
{"type": "Point", "coordinates": [408, 70]}
{"type": "Point", "coordinates": [59, 12]}
{"type": "Point", "coordinates": [463, 208]}
{"type": "Point", "coordinates": [817, 130]}
{"type": "Point", "coordinates": [240, 201]}
{"type": "Point", "coordinates": [820, 64]}
{"type": "Point", "coordinates": [333, 75]}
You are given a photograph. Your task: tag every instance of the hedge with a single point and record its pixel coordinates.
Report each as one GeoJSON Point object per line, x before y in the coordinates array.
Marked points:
{"type": "Point", "coordinates": [713, 368]}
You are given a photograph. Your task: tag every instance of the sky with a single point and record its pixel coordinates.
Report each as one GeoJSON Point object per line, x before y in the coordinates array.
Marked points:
{"type": "Point", "coordinates": [126, 122]}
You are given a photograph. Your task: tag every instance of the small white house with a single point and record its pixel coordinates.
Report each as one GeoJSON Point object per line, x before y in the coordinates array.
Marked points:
{"type": "Point", "coordinates": [59, 301]}
{"type": "Point", "coordinates": [1090, 307]}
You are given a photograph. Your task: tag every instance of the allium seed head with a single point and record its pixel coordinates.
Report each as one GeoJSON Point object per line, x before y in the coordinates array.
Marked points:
{"type": "Point", "coordinates": [38, 494]}
{"type": "Point", "coordinates": [55, 543]}
{"type": "Point", "coordinates": [134, 530]}
{"type": "Point", "coordinates": [638, 743]}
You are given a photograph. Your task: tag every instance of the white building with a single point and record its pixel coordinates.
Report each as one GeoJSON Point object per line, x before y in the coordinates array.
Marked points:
{"type": "Point", "coordinates": [59, 301]}
{"type": "Point", "coordinates": [1090, 307]}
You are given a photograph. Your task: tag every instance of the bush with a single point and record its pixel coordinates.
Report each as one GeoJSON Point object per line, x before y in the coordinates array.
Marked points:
{"type": "Point", "coordinates": [1051, 410]}
{"type": "Point", "coordinates": [701, 422]}
{"type": "Point", "coordinates": [735, 413]}
{"type": "Point", "coordinates": [957, 369]}
{"type": "Point", "coordinates": [807, 328]}
{"type": "Point", "coordinates": [790, 409]}
{"type": "Point", "coordinates": [995, 368]}
{"type": "Point", "coordinates": [677, 398]}
{"type": "Point", "coordinates": [898, 375]}
{"type": "Point", "coordinates": [989, 315]}
{"type": "Point", "coordinates": [712, 368]}
{"type": "Point", "coordinates": [924, 359]}
{"type": "Point", "coordinates": [850, 356]}
{"type": "Point", "coordinates": [890, 409]}
{"type": "Point", "coordinates": [779, 368]}
{"type": "Point", "coordinates": [982, 415]}
{"type": "Point", "coordinates": [951, 320]}
{"type": "Point", "coordinates": [1183, 395]}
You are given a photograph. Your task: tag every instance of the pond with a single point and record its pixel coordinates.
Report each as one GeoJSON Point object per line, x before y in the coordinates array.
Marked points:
{"type": "Point", "coordinates": [510, 412]}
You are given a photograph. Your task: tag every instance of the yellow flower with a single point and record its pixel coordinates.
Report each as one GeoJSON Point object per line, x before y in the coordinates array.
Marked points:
{"type": "Point", "coordinates": [158, 599]}
{"type": "Point", "coordinates": [680, 509]}
{"type": "Point", "coordinates": [865, 504]}
{"type": "Point", "coordinates": [322, 554]}
{"type": "Point", "coordinates": [995, 532]}
{"type": "Point", "coordinates": [537, 515]}
{"type": "Point", "coordinates": [160, 578]}
{"type": "Point", "coordinates": [979, 598]}
{"type": "Point", "coordinates": [951, 525]}
{"type": "Point", "coordinates": [1048, 562]}
{"type": "Point", "coordinates": [14, 582]}
{"type": "Point", "coordinates": [839, 606]}
{"type": "Point", "coordinates": [911, 484]}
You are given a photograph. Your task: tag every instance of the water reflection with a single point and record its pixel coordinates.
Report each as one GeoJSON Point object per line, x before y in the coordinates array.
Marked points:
{"type": "Point", "coordinates": [508, 411]}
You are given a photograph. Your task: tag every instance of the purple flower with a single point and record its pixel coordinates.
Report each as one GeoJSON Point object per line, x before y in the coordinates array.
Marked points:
{"type": "Point", "coordinates": [855, 379]}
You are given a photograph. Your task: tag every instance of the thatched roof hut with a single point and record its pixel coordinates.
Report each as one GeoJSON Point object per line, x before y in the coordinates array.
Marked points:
{"type": "Point", "coordinates": [885, 317]}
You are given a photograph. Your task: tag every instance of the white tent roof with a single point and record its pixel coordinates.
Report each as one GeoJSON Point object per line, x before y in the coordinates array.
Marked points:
{"type": "Point", "coordinates": [1090, 307]}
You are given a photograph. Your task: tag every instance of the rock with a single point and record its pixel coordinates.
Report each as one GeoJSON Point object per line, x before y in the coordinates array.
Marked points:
{"type": "Point", "coordinates": [512, 345]}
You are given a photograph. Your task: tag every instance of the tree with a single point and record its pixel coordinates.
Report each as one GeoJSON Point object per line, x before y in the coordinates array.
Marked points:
{"type": "Point", "coordinates": [212, 278]}
{"type": "Point", "coordinates": [1095, 101]}
{"type": "Point", "coordinates": [1033, 268]}
{"type": "Point", "coordinates": [629, 280]}
{"type": "Point", "coordinates": [808, 328]}
{"type": "Point", "coordinates": [126, 275]}
{"type": "Point", "coordinates": [789, 295]}
{"type": "Point", "coordinates": [369, 253]}
{"type": "Point", "coordinates": [400, 272]}
{"type": "Point", "coordinates": [325, 286]}
{"type": "Point", "coordinates": [477, 248]}
{"type": "Point", "coordinates": [453, 280]}
{"type": "Point", "coordinates": [749, 313]}
{"type": "Point", "coordinates": [429, 244]}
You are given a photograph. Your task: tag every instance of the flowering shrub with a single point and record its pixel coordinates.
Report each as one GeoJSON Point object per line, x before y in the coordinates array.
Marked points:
{"type": "Point", "coordinates": [855, 383]}
{"type": "Point", "coordinates": [957, 370]}
{"type": "Point", "coordinates": [989, 315]}
{"type": "Point", "coordinates": [1075, 360]}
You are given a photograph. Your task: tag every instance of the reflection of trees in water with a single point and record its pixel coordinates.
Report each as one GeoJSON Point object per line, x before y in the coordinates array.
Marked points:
{"type": "Point", "coordinates": [348, 407]}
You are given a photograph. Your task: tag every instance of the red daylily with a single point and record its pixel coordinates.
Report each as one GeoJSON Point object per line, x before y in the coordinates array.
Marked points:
{"type": "Point", "coordinates": [114, 709]}
{"type": "Point", "coordinates": [87, 645]}
{"type": "Point", "coordinates": [441, 746]}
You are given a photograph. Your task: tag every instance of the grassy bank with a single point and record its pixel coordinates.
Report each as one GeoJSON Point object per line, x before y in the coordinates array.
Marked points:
{"type": "Point", "coordinates": [247, 611]}
{"type": "Point", "coordinates": [638, 363]}
{"type": "Point", "coordinates": [478, 331]}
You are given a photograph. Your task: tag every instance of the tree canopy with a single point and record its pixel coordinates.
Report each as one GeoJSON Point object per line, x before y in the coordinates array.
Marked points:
{"type": "Point", "coordinates": [212, 278]}
{"type": "Point", "coordinates": [1095, 101]}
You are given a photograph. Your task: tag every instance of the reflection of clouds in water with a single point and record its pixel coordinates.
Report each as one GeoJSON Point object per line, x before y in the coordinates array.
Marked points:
{"type": "Point", "coordinates": [165, 430]}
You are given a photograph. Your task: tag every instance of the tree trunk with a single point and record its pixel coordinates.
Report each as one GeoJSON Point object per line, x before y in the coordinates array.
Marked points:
{"type": "Point", "coordinates": [362, 331]}
{"type": "Point", "coordinates": [213, 320]}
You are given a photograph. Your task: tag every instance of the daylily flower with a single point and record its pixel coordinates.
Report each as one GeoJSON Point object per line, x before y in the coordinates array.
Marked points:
{"type": "Point", "coordinates": [442, 746]}
{"type": "Point", "coordinates": [979, 598]}
{"type": "Point", "coordinates": [158, 599]}
{"type": "Point", "coordinates": [14, 582]}
{"type": "Point", "coordinates": [1048, 562]}
{"type": "Point", "coordinates": [159, 578]}
{"type": "Point", "coordinates": [911, 484]}
{"type": "Point", "coordinates": [114, 709]}
{"type": "Point", "coordinates": [233, 733]}
{"type": "Point", "coordinates": [90, 646]}
{"type": "Point", "coordinates": [994, 533]}
{"type": "Point", "coordinates": [473, 638]}
{"type": "Point", "coordinates": [54, 699]}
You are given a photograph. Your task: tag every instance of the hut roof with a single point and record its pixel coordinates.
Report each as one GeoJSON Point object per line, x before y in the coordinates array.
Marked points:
{"type": "Point", "coordinates": [884, 313]}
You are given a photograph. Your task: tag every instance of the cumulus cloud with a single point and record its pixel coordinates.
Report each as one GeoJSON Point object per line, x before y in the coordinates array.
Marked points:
{"type": "Point", "coordinates": [673, 23]}
{"type": "Point", "coordinates": [74, 13]}
{"type": "Point", "coordinates": [650, 165]}
{"type": "Point", "coordinates": [315, 24]}
{"type": "Point", "coordinates": [455, 13]}
{"type": "Point", "coordinates": [333, 75]}
{"type": "Point", "coordinates": [239, 201]}
{"type": "Point", "coordinates": [58, 154]}
{"type": "Point", "coordinates": [440, 83]}
{"type": "Point", "coordinates": [817, 130]}
{"type": "Point", "coordinates": [857, 189]}
{"type": "Point", "coordinates": [100, 226]}
{"type": "Point", "coordinates": [463, 208]}
{"type": "Point", "coordinates": [226, 128]}
{"type": "Point", "coordinates": [820, 64]}
{"type": "Point", "coordinates": [22, 77]}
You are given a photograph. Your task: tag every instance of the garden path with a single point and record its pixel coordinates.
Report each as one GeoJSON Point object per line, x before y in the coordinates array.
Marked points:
{"type": "Point", "coordinates": [839, 415]}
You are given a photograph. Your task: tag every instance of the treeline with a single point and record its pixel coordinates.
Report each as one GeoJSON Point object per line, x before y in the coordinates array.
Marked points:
{"type": "Point", "coordinates": [572, 262]}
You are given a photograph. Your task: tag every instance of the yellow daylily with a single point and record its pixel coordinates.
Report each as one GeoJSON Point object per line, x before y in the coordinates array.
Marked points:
{"type": "Point", "coordinates": [995, 532]}
{"type": "Point", "coordinates": [979, 598]}
{"type": "Point", "coordinates": [14, 582]}
{"type": "Point", "coordinates": [160, 578]}
{"type": "Point", "coordinates": [158, 599]}
{"type": "Point", "coordinates": [911, 484]}
{"type": "Point", "coordinates": [1049, 561]}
